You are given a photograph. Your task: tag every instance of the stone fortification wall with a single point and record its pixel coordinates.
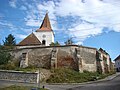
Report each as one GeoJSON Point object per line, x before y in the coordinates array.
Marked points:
{"type": "Point", "coordinates": [19, 76]}
{"type": "Point", "coordinates": [40, 57]}
{"type": "Point", "coordinates": [66, 57]}
{"type": "Point", "coordinates": [72, 56]}
{"type": "Point", "coordinates": [88, 58]}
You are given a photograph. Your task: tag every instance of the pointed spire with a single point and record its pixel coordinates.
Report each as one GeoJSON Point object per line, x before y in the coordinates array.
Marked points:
{"type": "Point", "coordinates": [45, 24]}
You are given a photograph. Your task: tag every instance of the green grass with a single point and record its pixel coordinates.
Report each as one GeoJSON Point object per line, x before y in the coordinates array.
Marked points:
{"type": "Point", "coordinates": [27, 69]}
{"type": "Point", "coordinates": [14, 87]}
{"type": "Point", "coordinates": [12, 67]}
{"type": "Point", "coordinates": [71, 76]}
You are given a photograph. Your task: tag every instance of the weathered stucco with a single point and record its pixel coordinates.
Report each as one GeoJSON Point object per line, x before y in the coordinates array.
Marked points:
{"type": "Point", "coordinates": [79, 58]}
{"type": "Point", "coordinates": [88, 57]}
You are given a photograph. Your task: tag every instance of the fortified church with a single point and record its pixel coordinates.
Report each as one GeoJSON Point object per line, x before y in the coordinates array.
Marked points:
{"type": "Point", "coordinates": [35, 50]}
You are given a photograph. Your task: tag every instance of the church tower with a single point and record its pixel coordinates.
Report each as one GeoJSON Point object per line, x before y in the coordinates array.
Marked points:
{"type": "Point", "coordinates": [42, 36]}
{"type": "Point", "coordinates": [45, 33]}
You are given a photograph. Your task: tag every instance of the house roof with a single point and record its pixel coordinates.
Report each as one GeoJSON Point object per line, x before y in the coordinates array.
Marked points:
{"type": "Point", "coordinates": [30, 40]}
{"type": "Point", "coordinates": [118, 58]}
{"type": "Point", "coordinates": [103, 51]}
{"type": "Point", "coordinates": [45, 26]}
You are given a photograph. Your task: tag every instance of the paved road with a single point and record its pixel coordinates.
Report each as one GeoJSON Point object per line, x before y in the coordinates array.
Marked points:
{"type": "Point", "coordinates": [113, 84]}
{"type": "Point", "coordinates": [106, 85]}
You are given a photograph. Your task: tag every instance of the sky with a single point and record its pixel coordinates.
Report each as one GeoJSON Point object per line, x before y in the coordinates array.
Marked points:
{"type": "Point", "coordinates": [92, 23]}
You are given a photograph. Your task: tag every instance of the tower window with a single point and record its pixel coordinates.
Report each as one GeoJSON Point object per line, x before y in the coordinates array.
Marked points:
{"type": "Point", "coordinates": [43, 42]}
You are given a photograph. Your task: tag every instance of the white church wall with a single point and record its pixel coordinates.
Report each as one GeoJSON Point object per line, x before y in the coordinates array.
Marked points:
{"type": "Point", "coordinates": [46, 35]}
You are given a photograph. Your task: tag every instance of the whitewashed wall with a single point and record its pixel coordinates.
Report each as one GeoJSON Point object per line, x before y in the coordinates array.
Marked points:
{"type": "Point", "coordinates": [117, 64]}
{"type": "Point", "coordinates": [49, 37]}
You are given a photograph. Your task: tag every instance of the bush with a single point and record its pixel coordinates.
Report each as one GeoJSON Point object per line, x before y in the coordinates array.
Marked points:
{"type": "Point", "coordinates": [70, 76]}
{"type": "Point", "coordinates": [11, 65]}
{"type": "Point", "coordinates": [4, 57]}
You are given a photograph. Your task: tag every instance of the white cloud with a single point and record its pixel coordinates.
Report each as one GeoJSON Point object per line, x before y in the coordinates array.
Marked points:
{"type": "Point", "coordinates": [117, 27]}
{"type": "Point", "coordinates": [49, 6]}
{"type": "Point", "coordinates": [36, 14]}
{"type": "Point", "coordinates": [12, 3]}
{"type": "Point", "coordinates": [32, 22]}
{"type": "Point", "coordinates": [23, 8]}
{"type": "Point", "coordinates": [20, 36]}
{"type": "Point", "coordinates": [8, 25]}
{"type": "Point", "coordinates": [95, 15]}
{"type": "Point", "coordinates": [83, 31]}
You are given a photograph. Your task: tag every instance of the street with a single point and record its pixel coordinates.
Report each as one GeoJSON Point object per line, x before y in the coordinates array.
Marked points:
{"type": "Point", "coordinates": [113, 84]}
{"type": "Point", "coordinates": [107, 85]}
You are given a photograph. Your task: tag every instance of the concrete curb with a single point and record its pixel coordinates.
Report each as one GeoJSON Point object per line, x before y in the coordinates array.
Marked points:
{"type": "Point", "coordinates": [90, 82]}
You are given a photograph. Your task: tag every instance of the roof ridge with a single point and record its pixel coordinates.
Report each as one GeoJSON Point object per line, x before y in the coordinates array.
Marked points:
{"type": "Point", "coordinates": [30, 40]}
{"type": "Point", "coordinates": [118, 57]}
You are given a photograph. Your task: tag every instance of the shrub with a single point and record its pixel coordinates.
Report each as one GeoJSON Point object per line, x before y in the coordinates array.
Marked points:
{"type": "Point", "coordinates": [11, 65]}
{"type": "Point", "coordinates": [4, 57]}
{"type": "Point", "coordinates": [70, 76]}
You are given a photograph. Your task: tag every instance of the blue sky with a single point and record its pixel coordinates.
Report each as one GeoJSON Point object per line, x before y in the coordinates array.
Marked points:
{"type": "Point", "coordinates": [93, 23]}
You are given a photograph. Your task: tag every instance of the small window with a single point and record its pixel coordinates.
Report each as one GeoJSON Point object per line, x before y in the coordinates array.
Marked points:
{"type": "Point", "coordinates": [43, 42]}
{"type": "Point", "coordinates": [24, 56]}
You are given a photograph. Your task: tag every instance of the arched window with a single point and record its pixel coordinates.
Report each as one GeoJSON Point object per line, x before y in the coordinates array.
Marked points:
{"type": "Point", "coordinates": [43, 42]}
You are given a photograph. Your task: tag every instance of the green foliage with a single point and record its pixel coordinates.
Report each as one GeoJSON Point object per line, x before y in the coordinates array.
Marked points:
{"type": "Point", "coordinates": [4, 56]}
{"type": "Point", "coordinates": [9, 40]}
{"type": "Point", "coordinates": [11, 65]}
{"type": "Point", "coordinates": [29, 68]}
{"type": "Point", "coordinates": [6, 59]}
{"type": "Point", "coordinates": [69, 42]}
{"type": "Point", "coordinates": [14, 87]}
{"type": "Point", "coordinates": [70, 76]}
{"type": "Point", "coordinates": [55, 44]}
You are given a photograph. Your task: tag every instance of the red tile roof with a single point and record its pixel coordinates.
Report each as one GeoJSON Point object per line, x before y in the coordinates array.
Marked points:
{"type": "Point", "coordinates": [45, 26]}
{"type": "Point", "coordinates": [30, 40]}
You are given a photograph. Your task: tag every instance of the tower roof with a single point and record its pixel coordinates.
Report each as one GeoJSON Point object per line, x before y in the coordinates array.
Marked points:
{"type": "Point", "coordinates": [45, 26]}
{"type": "Point", "coordinates": [30, 40]}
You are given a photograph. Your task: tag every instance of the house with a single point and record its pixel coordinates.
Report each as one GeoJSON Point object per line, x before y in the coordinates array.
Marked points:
{"type": "Point", "coordinates": [117, 63]}
{"type": "Point", "coordinates": [113, 67]}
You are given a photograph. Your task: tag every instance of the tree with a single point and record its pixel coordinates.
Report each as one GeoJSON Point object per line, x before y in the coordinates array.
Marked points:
{"type": "Point", "coordinates": [4, 56]}
{"type": "Point", "coordinates": [55, 44]}
{"type": "Point", "coordinates": [69, 42]}
{"type": "Point", "coordinates": [9, 40]}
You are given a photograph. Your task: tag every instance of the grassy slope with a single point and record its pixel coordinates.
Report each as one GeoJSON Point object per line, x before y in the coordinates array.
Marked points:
{"type": "Point", "coordinates": [71, 76]}
{"type": "Point", "coordinates": [19, 88]}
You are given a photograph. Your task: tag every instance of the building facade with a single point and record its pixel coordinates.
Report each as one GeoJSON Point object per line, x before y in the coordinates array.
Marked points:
{"type": "Point", "coordinates": [117, 63]}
